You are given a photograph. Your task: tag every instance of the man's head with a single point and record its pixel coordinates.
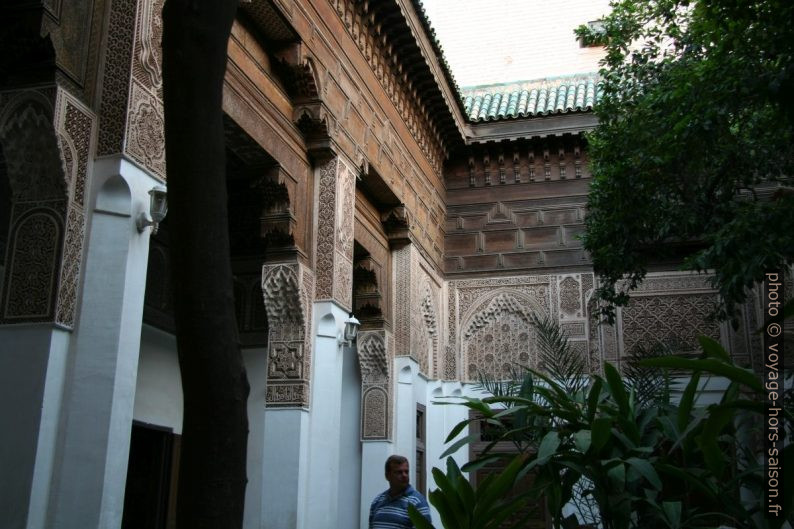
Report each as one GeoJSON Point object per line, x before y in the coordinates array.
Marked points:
{"type": "Point", "coordinates": [397, 471]}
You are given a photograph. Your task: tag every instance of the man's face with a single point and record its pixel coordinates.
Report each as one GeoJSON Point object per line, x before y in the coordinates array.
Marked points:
{"type": "Point", "coordinates": [397, 476]}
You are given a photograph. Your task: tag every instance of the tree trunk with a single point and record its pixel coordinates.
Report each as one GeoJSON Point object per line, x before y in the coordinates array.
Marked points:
{"type": "Point", "coordinates": [212, 475]}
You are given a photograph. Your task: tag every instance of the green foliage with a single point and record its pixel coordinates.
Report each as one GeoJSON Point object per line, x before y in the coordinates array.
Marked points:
{"type": "Point", "coordinates": [462, 507]}
{"type": "Point", "coordinates": [643, 462]}
{"type": "Point", "coordinates": [693, 155]}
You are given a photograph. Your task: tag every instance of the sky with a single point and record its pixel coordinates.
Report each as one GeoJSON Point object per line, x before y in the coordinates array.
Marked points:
{"type": "Point", "coordinates": [503, 41]}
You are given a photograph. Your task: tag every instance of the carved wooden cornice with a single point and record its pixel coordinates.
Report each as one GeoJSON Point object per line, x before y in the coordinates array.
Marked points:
{"type": "Point", "coordinates": [384, 35]}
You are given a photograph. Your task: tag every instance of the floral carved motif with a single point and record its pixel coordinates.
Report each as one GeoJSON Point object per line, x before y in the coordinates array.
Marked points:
{"type": "Point", "coordinates": [569, 297]}
{"type": "Point", "coordinates": [326, 228]}
{"type": "Point", "coordinates": [32, 273]}
{"type": "Point", "coordinates": [374, 414]}
{"type": "Point", "coordinates": [145, 130]}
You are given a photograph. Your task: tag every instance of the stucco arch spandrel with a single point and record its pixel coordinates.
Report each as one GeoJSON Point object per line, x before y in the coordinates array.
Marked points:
{"type": "Point", "coordinates": [33, 158]}
{"type": "Point", "coordinates": [497, 301]}
{"type": "Point", "coordinates": [281, 290]}
{"type": "Point", "coordinates": [498, 335]}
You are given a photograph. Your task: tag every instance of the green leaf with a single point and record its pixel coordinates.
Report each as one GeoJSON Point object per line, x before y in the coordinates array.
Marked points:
{"type": "Point", "coordinates": [709, 365]}
{"type": "Point", "coordinates": [548, 446]}
{"type": "Point", "coordinates": [687, 401]}
{"type": "Point", "coordinates": [419, 521]}
{"type": "Point", "coordinates": [617, 388]}
{"type": "Point", "coordinates": [713, 349]}
{"type": "Point", "coordinates": [646, 470]}
{"type": "Point", "coordinates": [600, 433]}
{"type": "Point", "coordinates": [672, 513]}
{"type": "Point", "coordinates": [460, 442]}
{"type": "Point", "coordinates": [456, 430]}
{"type": "Point", "coordinates": [617, 477]}
{"type": "Point", "coordinates": [581, 440]}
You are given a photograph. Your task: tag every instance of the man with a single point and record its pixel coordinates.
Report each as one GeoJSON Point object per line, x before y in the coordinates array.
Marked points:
{"type": "Point", "coordinates": [389, 510]}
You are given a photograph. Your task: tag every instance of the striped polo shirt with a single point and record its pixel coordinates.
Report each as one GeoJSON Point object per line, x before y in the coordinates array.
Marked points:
{"type": "Point", "coordinates": [392, 513]}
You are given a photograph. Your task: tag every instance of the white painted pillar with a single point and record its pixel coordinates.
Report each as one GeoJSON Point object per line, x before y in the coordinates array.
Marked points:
{"type": "Point", "coordinates": [285, 468]}
{"type": "Point", "coordinates": [406, 369]}
{"type": "Point", "coordinates": [32, 365]}
{"type": "Point", "coordinates": [349, 479]}
{"type": "Point", "coordinates": [324, 436]}
{"type": "Point", "coordinates": [373, 476]}
{"type": "Point", "coordinates": [255, 359]}
{"type": "Point", "coordinates": [88, 486]}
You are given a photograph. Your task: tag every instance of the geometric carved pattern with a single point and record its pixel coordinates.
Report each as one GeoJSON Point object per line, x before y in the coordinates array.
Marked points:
{"type": "Point", "coordinates": [286, 291]}
{"type": "Point", "coordinates": [374, 362]}
{"type": "Point", "coordinates": [671, 319]}
{"type": "Point", "coordinates": [116, 80]}
{"type": "Point", "coordinates": [498, 337]}
{"type": "Point", "coordinates": [70, 267]}
{"type": "Point", "coordinates": [75, 128]}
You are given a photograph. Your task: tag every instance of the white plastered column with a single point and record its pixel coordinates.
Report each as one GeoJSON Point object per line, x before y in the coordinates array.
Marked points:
{"type": "Point", "coordinates": [326, 416]}
{"type": "Point", "coordinates": [88, 484]}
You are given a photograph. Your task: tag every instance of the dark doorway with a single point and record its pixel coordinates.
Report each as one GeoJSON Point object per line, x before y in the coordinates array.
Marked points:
{"type": "Point", "coordinates": [148, 499]}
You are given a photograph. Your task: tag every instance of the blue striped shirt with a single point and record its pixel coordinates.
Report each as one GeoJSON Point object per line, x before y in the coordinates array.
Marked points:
{"type": "Point", "coordinates": [392, 513]}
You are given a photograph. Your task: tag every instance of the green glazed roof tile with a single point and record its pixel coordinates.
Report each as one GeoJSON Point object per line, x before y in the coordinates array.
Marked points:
{"type": "Point", "coordinates": [576, 93]}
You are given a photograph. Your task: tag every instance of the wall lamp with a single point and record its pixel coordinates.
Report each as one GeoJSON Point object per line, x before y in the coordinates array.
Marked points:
{"type": "Point", "coordinates": [158, 207]}
{"type": "Point", "coordinates": [349, 334]}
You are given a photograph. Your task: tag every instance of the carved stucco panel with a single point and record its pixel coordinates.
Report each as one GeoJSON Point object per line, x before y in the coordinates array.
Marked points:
{"type": "Point", "coordinates": [32, 270]}
{"type": "Point", "coordinates": [116, 80]}
{"type": "Point", "coordinates": [675, 319]}
{"type": "Point", "coordinates": [75, 125]}
{"type": "Point", "coordinates": [375, 360]}
{"type": "Point", "coordinates": [286, 290]}
{"type": "Point", "coordinates": [326, 229]}
{"type": "Point", "coordinates": [147, 58]}
{"type": "Point", "coordinates": [402, 300]}
{"type": "Point", "coordinates": [47, 137]}
{"type": "Point", "coordinates": [145, 138]}
{"type": "Point", "coordinates": [498, 335]}
{"type": "Point", "coordinates": [451, 357]}
{"type": "Point", "coordinates": [570, 297]}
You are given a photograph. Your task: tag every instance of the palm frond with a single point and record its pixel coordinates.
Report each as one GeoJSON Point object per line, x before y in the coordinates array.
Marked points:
{"type": "Point", "coordinates": [651, 385]}
{"type": "Point", "coordinates": [557, 358]}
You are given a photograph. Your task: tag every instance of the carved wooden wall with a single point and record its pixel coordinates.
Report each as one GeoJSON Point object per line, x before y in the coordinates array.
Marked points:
{"type": "Point", "coordinates": [516, 206]}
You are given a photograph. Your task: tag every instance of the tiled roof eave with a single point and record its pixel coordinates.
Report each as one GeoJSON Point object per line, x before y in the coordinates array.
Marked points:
{"type": "Point", "coordinates": [570, 123]}
{"type": "Point", "coordinates": [527, 115]}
